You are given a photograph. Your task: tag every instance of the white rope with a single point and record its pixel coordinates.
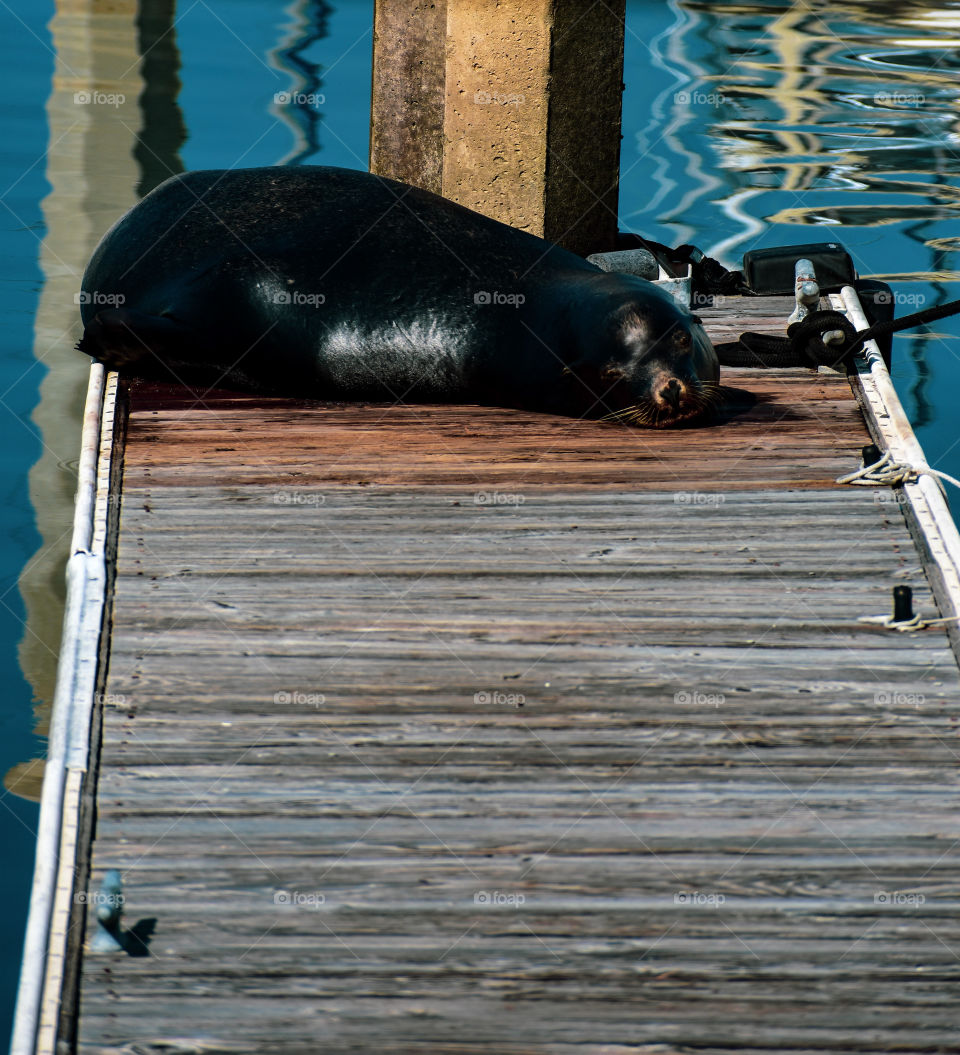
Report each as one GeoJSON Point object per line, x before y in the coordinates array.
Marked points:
{"type": "Point", "coordinates": [915, 623]}
{"type": "Point", "coordinates": [887, 471]}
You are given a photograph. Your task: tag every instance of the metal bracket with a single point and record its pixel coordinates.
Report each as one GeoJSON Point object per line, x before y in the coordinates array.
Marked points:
{"type": "Point", "coordinates": [109, 936]}
{"type": "Point", "coordinates": [642, 263]}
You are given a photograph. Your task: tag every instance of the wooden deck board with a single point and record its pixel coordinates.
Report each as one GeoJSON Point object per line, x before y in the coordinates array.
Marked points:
{"type": "Point", "coordinates": [803, 430]}
{"type": "Point", "coordinates": [447, 729]}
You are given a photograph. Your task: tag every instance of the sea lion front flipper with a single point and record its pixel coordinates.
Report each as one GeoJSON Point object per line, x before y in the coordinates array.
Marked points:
{"type": "Point", "coordinates": [122, 339]}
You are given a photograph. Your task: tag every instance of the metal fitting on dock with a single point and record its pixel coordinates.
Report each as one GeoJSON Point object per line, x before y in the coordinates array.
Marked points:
{"type": "Point", "coordinates": [640, 262]}
{"type": "Point", "coordinates": [109, 937]}
{"type": "Point", "coordinates": [807, 292]}
{"type": "Point", "coordinates": [806, 289]}
{"type": "Point", "coordinates": [903, 605]}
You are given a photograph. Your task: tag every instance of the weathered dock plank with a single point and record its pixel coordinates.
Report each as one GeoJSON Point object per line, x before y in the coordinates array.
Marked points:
{"type": "Point", "coordinates": [792, 429]}
{"type": "Point", "coordinates": [446, 729]}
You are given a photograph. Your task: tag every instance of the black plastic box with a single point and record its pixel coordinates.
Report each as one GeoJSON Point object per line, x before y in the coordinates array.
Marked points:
{"type": "Point", "coordinates": [771, 271]}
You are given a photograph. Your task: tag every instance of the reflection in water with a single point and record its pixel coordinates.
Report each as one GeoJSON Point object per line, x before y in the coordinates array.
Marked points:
{"type": "Point", "coordinates": [297, 106]}
{"type": "Point", "coordinates": [939, 256]}
{"type": "Point", "coordinates": [162, 132]}
{"type": "Point", "coordinates": [822, 114]}
{"type": "Point", "coordinates": [828, 98]}
{"type": "Point", "coordinates": [671, 125]}
{"type": "Point", "coordinates": [93, 176]}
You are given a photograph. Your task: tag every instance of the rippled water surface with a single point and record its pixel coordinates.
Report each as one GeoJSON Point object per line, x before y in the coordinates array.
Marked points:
{"type": "Point", "coordinates": [777, 124]}
{"type": "Point", "coordinates": [745, 125]}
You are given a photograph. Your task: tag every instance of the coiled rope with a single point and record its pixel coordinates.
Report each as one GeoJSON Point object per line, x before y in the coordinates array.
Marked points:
{"type": "Point", "coordinates": [888, 472]}
{"type": "Point", "coordinates": [804, 345]}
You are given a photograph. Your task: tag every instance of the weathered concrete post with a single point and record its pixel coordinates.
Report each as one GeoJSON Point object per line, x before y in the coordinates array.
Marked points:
{"type": "Point", "coordinates": [409, 55]}
{"type": "Point", "coordinates": [511, 108]}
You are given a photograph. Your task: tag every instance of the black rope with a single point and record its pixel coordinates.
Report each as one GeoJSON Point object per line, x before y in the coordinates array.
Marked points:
{"type": "Point", "coordinates": [803, 345]}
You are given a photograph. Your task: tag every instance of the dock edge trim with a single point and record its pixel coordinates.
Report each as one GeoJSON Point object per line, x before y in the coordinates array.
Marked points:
{"type": "Point", "coordinates": [925, 507]}
{"type": "Point", "coordinates": [68, 751]}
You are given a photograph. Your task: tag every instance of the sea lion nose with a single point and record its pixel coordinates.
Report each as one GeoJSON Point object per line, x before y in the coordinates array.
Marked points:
{"type": "Point", "coordinates": [670, 393]}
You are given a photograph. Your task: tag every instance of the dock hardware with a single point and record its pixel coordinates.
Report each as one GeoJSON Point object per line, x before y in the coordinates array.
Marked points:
{"type": "Point", "coordinates": [109, 910]}
{"type": "Point", "coordinates": [903, 617]}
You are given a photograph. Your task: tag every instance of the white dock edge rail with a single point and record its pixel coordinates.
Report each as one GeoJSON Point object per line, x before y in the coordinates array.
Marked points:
{"type": "Point", "coordinates": [52, 895]}
{"type": "Point", "coordinates": [934, 527]}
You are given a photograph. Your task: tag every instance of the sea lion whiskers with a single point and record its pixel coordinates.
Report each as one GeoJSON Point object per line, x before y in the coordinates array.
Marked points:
{"type": "Point", "coordinates": [637, 414]}
{"type": "Point", "coordinates": [623, 412]}
{"type": "Point", "coordinates": [708, 395]}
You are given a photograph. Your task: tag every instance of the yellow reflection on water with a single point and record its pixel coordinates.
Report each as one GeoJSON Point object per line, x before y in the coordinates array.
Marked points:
{"type": "Point", "coordinates": [94, 117]}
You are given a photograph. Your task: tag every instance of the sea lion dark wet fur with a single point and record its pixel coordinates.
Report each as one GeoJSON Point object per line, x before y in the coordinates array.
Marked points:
{"type": "Point", "coordinates": [330, 283]}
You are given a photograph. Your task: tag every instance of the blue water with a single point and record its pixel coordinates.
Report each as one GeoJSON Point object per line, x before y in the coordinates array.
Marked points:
{"type": "Point", "coordinates": [229, 104]}
{"type": "Point", "coordinates": [723, 146]}
{"type": "Point", "coordinates": [27, 64]}
{"type": "Point", "coordinates": [860, 146]}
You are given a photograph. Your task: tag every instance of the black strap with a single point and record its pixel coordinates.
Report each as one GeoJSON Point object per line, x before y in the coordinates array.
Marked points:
{"type": "Point", "coordinates": [803, 345]}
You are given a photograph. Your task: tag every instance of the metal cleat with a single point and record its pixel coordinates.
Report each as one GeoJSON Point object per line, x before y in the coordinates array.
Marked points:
{"type": "Point", "coordinates": [807, 291]}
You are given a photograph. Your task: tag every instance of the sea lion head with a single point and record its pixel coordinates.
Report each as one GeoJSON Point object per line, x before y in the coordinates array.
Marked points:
{"type": "Point", "coordinates": [653, 365]}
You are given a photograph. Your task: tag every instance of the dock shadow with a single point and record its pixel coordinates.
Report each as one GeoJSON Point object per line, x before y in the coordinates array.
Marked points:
{"type": "Point", "coordinates": [762, 408]}
{"type": "Point", "coordinates": [732, 403]}
{"type": "Point", "coordinates": [136, 940]}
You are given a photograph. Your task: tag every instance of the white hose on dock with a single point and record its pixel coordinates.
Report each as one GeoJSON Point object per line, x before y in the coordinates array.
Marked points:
{"type": "Point", "coordinates": [68, 743]}
{"type": "Point", "coordinates": [924, 494]}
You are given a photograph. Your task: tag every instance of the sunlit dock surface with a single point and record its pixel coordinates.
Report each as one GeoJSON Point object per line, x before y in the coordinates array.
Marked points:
{"type": "Point", "coordinates": [472, 730]}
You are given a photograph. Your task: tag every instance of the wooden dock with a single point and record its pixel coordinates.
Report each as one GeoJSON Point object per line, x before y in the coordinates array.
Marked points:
{"type": "Point", "coordinates": [454, 729]}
